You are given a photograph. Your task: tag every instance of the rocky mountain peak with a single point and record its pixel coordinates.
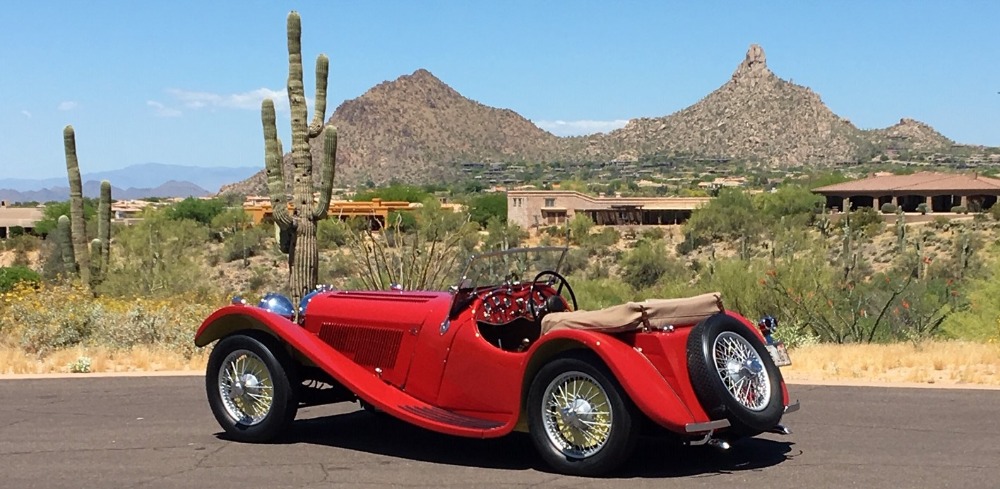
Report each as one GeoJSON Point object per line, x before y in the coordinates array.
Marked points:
{"type": "Point", "coordinates": [754, 66]}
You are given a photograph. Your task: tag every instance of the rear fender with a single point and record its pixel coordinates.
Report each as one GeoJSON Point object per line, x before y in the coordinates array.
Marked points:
{"type": "Point", "coordinates": [642, 382]}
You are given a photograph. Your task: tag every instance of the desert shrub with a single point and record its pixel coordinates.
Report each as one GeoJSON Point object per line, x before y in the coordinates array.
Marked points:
{"type": "Point", "coordinates": [793, 203]}
{"type": "Point", "coordinates": [395, 193]}
{"type": "Point", "coordinates": [576, 260]}
{"type": "Point", "coordinates": [959, 209]}
{"type": "Point", "coordinates": [729, 215]}
{"type": "Point", "coordinates": [502, 235]}
{"type": "Point", "coordinates": [579, 228]}
{"type": "Point", "coordinates": [647, 263]}
{"type": "Point", "coordinates": [231, 220]}
{"type": "Point", "coordinates": [10, 277]}
{"type": "Point", "coordinates": [865, 221]}
{"type": "Point", "coordinates": [922, 208]}
{"type": "Point", "coordinates": [653, 234]}
{"type": "Point", "coordinates": [157, 257]}
{"type": "Point", "coordinates": [51, 317]}
{"type": "Point", "coordinates": [332, 234]}
{"type": "Point", "coordinates": [599, 293]}
{"type": "Point", "coordinates": [888, 208]}
{"type": "Point", "coordinates": [244, 244]}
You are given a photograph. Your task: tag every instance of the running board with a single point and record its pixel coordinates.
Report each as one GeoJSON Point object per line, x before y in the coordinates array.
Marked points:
{"type": "Point", "coordinates": [443, 416]}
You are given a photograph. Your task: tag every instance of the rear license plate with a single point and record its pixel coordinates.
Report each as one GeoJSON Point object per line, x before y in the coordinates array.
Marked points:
{"type": "Point", "coordinates": [779, 354]}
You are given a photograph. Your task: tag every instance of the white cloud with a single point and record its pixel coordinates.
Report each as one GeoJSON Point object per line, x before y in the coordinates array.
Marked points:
{"type": "Point", "coordinates": [68, 105]}
{"type": "Point", "coordinates": [247, 100]}
{"type": "Point", "coordinates": [26, 114]}
{"type": "Point", "coordinates": [161, 110]}
{"type": "Point", "coordinates": [580, 128]}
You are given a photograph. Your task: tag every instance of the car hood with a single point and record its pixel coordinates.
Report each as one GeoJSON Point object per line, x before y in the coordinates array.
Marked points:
{"type": "Point", "coordinates": [377, 308]}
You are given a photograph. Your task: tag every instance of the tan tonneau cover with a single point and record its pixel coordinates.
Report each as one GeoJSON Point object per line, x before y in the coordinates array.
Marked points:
{"type": "Point", "coordinates": [648, 314]}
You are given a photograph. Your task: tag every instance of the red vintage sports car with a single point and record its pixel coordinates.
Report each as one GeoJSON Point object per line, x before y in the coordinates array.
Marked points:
{"type": "Point", "coordinates": [505, 349]}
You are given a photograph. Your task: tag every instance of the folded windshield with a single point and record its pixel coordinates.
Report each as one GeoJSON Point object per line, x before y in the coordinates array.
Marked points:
{"type": "Point", "coordinates": [510, 266]}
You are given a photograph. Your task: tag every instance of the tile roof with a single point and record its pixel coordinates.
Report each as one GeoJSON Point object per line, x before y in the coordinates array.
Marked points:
{"type": "Point", "coordinates": [917, 182]}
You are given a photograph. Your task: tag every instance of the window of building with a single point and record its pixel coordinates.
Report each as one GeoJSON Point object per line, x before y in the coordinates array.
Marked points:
{"type": "Point", "coordinates": [550, 202]}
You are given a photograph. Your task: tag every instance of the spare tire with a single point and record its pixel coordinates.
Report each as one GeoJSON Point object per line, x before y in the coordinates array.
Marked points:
{"type": "Point", "coordinates": [733, 375]}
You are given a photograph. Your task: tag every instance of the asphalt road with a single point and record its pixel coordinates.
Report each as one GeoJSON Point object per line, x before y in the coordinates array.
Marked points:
{"type": "Point", "coordinates": [153, 432]}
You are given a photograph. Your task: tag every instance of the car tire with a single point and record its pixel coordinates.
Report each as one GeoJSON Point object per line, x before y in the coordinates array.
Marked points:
{"type": "Point", "coordinates": [602, 416]}
{"type": "Point", "coordinates": [249, 381]}
{"type": "Point", "coordinates": [733, 375]}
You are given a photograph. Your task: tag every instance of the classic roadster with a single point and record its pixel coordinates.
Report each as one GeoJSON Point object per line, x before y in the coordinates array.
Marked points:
{"type": "Point", "coordinates": [504, 349]}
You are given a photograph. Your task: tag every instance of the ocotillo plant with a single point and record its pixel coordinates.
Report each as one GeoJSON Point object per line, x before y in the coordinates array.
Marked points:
{"type": "Point", "coordinates": [299, 223]}
{"type": "Point", "coordinates": [79, 229]}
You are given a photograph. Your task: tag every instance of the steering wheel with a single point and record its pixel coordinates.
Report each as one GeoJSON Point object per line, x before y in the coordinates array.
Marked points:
{"type": "Point", "coordinates": [540, 307]}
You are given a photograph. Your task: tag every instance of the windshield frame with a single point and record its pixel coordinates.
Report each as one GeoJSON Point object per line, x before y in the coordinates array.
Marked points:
{"type": "Point", "coordinates": [463, 281]}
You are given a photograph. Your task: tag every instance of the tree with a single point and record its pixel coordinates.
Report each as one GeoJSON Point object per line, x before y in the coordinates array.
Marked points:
{"type": "Point", "coordinates": [482, 207]}
{"type": "Point", "coordinates": [730, 215]}
{"type": "Point", "coordinates": [201, 210]}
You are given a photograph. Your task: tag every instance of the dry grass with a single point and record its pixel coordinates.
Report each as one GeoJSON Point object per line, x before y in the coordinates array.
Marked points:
{"type": "Point", "coordinates": [931, 362]}
{"type": "Point", "coordinates": [138, 359]}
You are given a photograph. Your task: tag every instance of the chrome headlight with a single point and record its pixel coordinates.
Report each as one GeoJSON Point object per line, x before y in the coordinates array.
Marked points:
{"type": "Point", "coordinates": [278, 304]}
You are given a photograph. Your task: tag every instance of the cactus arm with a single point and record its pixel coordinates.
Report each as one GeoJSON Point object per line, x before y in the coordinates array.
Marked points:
{"type": "Point", "coordinates": [319, 110]}
{"type": "Point", "coordinates": [104, 226]}
{"type": "Point", "coordinates": [329, 166]}
{"type": "Point", "coordinates": [65, 241]}
{"type": "Point", "coordinates": [76, 205]}
{"type": "Point", "coordinates": [272, 163]}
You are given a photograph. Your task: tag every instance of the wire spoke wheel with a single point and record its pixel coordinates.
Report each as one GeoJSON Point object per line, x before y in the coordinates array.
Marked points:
{"type": "Point", "coordinates": [246, 387]}
{"type": "Point", "coordinates": [742, 371]}
{"type": "Point", "coordinates": [577, 414]}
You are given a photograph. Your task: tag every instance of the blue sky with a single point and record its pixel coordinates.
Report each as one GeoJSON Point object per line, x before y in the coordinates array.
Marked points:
{"type": "Point", "coordinates": [181, 81]}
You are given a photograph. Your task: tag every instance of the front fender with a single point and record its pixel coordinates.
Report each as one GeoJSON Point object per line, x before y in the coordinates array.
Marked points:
{"type": "Point", "coordinates": [230, 319]}
{"type": "Point", "coordinates": [650, 392]}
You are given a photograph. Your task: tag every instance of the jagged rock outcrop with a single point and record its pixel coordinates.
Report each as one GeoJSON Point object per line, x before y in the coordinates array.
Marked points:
{"type": "Point", "coordinates": [754, 116]}
{"type": "Point", "coordinates": [910, 135]}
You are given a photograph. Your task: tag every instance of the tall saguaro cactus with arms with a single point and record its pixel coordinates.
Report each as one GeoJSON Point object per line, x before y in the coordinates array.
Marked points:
{"type": "Point", "coordinates": [299, 218]}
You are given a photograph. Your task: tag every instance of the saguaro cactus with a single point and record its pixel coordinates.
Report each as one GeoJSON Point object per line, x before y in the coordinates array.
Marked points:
{"type": "Point", "coordinates": [79, 234]}
{"type": "Point", "coordinates": [299, 223]}
{"type": "Point", "coordinates": [75, 233]}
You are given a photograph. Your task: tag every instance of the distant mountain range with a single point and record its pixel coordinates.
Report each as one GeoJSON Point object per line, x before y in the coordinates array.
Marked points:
{"type": "Point", "coordinates": [132, 182]}
{"type": "Point", "coordinates": [417, 129]}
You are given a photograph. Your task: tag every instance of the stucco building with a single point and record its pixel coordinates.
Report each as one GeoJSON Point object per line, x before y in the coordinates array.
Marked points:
{"type": "Point", "coordinates": [529, 208]}
{"type": "Point", "coordinates": [940, 191]}
{"type": "Point", "coordinates": [18, 217]}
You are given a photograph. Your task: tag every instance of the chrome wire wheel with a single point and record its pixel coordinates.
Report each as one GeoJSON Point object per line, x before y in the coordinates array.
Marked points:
{"type": "Point", "coordinates": [246, 387]}
{"type": "Point", "coordinates": [576, 414]}
{"type": "Point", "coordinates": [742, 370]}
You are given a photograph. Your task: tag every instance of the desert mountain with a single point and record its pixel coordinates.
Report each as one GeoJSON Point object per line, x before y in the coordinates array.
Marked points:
{"type": "Point", "coordinates": [912, 135]}
{"type": "Point", "coordinates": [417, 129]}
{"type": "Point", "coordinates": [755, 115]}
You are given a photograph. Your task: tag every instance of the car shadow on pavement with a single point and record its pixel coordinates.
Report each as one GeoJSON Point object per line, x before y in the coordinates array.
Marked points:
{"type": "Point", "coordinates": [654, 458]}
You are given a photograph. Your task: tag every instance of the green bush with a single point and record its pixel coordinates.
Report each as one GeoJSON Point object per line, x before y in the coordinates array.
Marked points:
{"type": "Point", "coordinates": [888, 208]}
{"type": "Point", "coordinates": [199, 210]}
{"type": "Point", "coordinates": [244, 244]}
{"type": "Point", "coordinates": [11, 276]}
{"type": "Point", "coordinates": [959, 209]}
{"type": "Point", "coordinates": [647, 263]}
{"type": "Point", "coordinates": [482, 207]}
{"type": "Point", "coordinates": [922, 208]}
{"type": "Point", "coordinates": [332, 234]}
